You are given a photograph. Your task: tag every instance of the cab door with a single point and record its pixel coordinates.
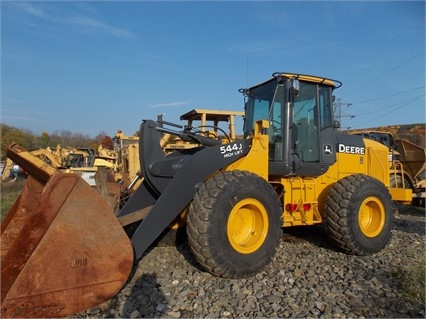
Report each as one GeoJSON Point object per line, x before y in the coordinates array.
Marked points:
{"type": "Point", "coordinates": [312, 133]}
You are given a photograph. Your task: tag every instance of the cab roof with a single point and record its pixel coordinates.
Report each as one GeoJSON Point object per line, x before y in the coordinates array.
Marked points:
{"type": "Point", "coordinates": [310, 78]}
{"type": "Point", "coordinates": [302, 77]}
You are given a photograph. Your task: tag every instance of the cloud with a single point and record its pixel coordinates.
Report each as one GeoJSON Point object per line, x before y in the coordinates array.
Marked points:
{"type": "Point", "coordinates": [154, 106]}
{"type": "Point", "coordinates": [30, 9]}
{"type": "Point", "coordinates": [80, 20]}
{"type": "Point", "coordinates": [98, 25]}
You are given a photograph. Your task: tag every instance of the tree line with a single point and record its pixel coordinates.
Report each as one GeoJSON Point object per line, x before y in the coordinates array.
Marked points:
{"type": "Point", "coordinates": [30, 141]}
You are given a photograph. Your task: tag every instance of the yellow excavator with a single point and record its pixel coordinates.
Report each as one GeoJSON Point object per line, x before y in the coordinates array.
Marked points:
{"type": "Point", "coordinates": [64, 250]}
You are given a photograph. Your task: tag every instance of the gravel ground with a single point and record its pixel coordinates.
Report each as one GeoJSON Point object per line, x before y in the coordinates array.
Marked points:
{"type": "Point", "coordinates": [307, 278]}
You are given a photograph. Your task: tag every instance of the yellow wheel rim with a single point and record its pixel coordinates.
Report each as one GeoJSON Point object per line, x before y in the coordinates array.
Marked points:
{"type": "Point", "coordinates": [247, 226]}
{"type": "Point", "coordinates": [371, 217]}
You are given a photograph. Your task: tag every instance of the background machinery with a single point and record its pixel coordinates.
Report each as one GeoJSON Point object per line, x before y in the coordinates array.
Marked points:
{"type": "Point", "coordinates": [291, 168]}
{"type": "Point", "coordinates": [60, 158]}
{"type": "Point", "coordinates": [126, 149]}
{"type": "Point", "coordinates": [412, 173]}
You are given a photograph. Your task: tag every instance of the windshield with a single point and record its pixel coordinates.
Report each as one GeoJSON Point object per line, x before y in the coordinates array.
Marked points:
{"type": "Point", "coordinates": [258, 105]}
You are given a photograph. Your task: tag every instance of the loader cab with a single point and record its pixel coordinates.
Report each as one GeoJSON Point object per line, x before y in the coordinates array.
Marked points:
{"type": "Point", "coordinates": [301, 131]}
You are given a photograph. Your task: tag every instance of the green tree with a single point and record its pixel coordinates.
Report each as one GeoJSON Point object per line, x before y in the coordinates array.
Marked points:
{"type": "Point", "coordinates": [10, 135]}
{"type": "Point", "coordinates": [44, 139]}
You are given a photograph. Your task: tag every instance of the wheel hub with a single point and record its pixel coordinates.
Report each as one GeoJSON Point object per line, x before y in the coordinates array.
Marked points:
{"type": "Point", "coordinates": [247, 226]}
{"type": "Point", "coordinates": [371, 217]}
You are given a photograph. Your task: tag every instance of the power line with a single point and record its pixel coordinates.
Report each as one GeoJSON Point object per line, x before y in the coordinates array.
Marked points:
{"type": "Point", "coordinates": [390, 71]}
{"type": "Point", "coordinates": [391, 111]}
{"type": "Point", "coordinates": [385, 97]}
{"type": "Point", "coordinates": [415, 98]}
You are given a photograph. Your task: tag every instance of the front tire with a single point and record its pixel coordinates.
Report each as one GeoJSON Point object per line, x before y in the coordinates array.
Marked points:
{"type": "Point", "coordinates": [234, 224]}
{"type": "Point", "coordinates": [359, 215]}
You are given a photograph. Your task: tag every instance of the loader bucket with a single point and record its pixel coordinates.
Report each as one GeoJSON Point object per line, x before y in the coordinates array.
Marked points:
{"type": "Point", "coordinates": [62, 248]}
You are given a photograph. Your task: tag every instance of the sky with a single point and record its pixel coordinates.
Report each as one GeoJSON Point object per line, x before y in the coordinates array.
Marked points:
{"type": "Point", "coordinates": [101, 66]}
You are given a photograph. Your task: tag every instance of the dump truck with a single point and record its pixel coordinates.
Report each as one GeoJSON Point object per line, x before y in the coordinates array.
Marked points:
{"type": "Point", "coordinates": [64, 250]}
{"type": "Point", "coordinates": [412, 173]}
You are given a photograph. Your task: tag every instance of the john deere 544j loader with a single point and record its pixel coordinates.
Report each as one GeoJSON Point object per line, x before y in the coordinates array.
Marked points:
{"type": "Point", "coordinates": [64, 250]}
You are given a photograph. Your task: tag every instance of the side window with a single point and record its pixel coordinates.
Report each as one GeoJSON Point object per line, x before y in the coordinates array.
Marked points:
{"type": "Point", "coordinates": [261, 110]}
{"type": "Point", "coordinates": [275, 130]}
{"type": "Point", "coordinates": [325, 107]}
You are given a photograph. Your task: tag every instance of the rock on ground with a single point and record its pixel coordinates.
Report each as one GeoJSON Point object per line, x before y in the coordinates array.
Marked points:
{"type": "Point", "coordinates": [307, 278]}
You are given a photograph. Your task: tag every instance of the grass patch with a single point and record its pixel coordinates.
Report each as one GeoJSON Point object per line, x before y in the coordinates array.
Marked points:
{"type": "Point", "coordinates": [413, 282]}
{"type": "Point", "coordinates": [412, 277]}
{"type": "Point", "coordinates": [9, 193]}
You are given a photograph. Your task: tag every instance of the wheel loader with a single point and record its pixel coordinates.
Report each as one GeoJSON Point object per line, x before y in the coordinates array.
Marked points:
{"type": "Point", "coordinates": [64, 250]}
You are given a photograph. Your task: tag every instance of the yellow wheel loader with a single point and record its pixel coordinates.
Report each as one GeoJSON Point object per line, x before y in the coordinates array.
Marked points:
{"type": "Point", "coordinates": [64, 250]}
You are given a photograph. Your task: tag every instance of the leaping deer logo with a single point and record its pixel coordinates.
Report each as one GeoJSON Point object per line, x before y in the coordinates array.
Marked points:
{"type": "Point", "coordinates": [327, 149]}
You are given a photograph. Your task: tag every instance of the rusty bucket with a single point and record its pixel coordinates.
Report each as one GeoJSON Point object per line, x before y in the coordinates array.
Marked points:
{"type": "Point", "coordinates": [62, 248]}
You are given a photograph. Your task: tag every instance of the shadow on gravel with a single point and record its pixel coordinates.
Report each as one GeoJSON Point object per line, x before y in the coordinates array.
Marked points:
{"type": "Point", "coordinates": [410, 226]}
{"type": "Point", "coordinates": [410, 220]}
{"type": "Point", "coordinates": [184, 249]}
{"type": "Point", "coordinates": [179, 239]}
{"type": "Point", "coordinates": [145, 299]}
{"type": "Point", "coordinates": [315, 235]}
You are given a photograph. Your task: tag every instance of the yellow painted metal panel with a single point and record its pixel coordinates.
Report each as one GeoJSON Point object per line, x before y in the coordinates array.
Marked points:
{"type": "Point", "coordinates": [256, 160]}
{"type": "Point", "coordinates": [401, 194]}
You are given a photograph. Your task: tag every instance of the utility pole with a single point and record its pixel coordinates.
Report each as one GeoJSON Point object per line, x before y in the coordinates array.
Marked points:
{"type": "Point", "coordinates": [339, 114]}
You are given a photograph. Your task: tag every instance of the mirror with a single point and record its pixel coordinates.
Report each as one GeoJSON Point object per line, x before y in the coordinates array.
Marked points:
{"type": "Point", "coordinates": [336, 124]}
{"type": "Point", "coordinates": [295, 87]}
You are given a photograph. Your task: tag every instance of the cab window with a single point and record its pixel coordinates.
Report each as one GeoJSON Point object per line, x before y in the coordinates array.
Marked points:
{"type": "Point", "coordinates": [306, 120]}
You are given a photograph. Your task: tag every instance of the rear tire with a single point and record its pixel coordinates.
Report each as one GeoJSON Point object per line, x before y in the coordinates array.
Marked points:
{"type": "Point", "coordinates": [359, 215]}
{"type": "Point", "coordinates": [234, 224]}
{"type": "Point", "coordinates": [396, 181]}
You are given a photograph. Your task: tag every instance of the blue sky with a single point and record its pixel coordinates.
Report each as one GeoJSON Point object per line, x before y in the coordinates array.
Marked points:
{"type": "Point", "coordinates": [94, 66]}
